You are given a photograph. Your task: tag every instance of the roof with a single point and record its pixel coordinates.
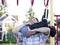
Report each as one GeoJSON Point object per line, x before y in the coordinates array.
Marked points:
{"type": "Point", "coordinates": [3, 17]}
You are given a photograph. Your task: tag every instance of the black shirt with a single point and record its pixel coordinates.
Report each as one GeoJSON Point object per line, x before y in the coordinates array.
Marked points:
{"type": "Point", "coordinates": [43, 23]}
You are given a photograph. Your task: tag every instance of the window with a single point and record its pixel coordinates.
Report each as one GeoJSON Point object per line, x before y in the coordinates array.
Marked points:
{"type": "Point", "coordinates": [0, 35]}
{"type": "Point", "coordinates": [8, 24]}
{"type": "Point", "coordinates": [0, 29]}
{"type": "Point", "coordinates": [0, 24]}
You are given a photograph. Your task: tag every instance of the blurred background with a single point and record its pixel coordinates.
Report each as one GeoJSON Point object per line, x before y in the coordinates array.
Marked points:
{"type": "Point", "coordinates": [13, 15]}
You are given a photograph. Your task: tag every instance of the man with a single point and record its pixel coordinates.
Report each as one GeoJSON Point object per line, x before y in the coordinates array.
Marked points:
{"type": "Point", "coordinates": [38, 25]}
{"type": "Point", "coordinates": [30, 35]}
{"type": "Point", "coordinates": [34, 38]}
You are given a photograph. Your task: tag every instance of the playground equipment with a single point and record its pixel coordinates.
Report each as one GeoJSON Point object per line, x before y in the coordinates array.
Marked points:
{"type": "Point", "coordinates": [56, 43]}
{"type": "Point", "coordinates": [51, 17]}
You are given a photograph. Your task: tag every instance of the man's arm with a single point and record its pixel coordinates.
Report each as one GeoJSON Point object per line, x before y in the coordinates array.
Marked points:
{"type": "Point", "coordinates": [30, 32]}
{"type": "Point", "coordinates": [44, 30]}
{"type": "Point", "coordinates": [17, 29]}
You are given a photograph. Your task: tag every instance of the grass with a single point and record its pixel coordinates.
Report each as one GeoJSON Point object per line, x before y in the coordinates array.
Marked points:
{"type": "Point", "coordinates": [7, 44]}
{"type": "Point", "coordinates": [46, 44]}
{"type": "Point", "coordinates": [12, 44]}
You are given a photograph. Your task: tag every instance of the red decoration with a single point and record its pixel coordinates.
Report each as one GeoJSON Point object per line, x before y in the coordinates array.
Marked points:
{"type": "Point", "coordinates": [3, 1]}
{"type": "Point", "coordinates": [46, 3]}
{"type": "Point", "coordinates": [17, 2]}
{"type": "Point", "coordinates": [32, 2]}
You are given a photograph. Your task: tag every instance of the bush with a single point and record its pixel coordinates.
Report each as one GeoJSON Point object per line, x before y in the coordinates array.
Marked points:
{"type": "Point", "coordinates": [11, 37]}
{"type": "Point", "coordinates": [59, 33]}
{"type": "Point", "coordinates": [4, 39]}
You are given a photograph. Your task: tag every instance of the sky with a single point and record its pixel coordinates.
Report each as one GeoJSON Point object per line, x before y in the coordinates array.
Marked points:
{"type": "Point", "coordinates": [24, 5]}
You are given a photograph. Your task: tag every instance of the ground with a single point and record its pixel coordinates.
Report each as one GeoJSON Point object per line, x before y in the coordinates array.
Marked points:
{"type": "Point", "coordinates": [6, 44]}
{"type": "Point", "coordinates": [9, 44]}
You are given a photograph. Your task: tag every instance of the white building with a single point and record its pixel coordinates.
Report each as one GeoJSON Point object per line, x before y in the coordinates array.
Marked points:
{"type": "Point", "coordinates": [6, 21]}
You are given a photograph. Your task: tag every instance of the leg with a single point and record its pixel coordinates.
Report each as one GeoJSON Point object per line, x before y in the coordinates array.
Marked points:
{"type": "Point", "coordinates": [45, 14]}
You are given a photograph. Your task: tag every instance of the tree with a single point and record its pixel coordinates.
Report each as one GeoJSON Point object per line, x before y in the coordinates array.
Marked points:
{"type": "Point", "coordinates": [30, 14]}
{"type": "Point", "coordinates": [1, 8]}
{"type": "Point", "coordinates": [10, 37]}
{"type": "Point", "coordinates": [59, 22]}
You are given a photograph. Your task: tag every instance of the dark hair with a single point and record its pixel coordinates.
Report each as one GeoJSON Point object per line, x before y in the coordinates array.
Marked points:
{"type": "Point", "coordinates": [37, 19]}
{"type": "Point", "coordinates": [52, 31]}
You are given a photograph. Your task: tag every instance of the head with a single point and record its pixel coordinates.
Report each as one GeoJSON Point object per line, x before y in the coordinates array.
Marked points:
{"type": "Point", "coordinates": [52, 31]}
{"type": "Point", "coordinates": [34, 20]}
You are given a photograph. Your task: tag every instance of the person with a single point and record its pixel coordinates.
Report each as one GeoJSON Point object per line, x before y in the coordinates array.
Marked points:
{"type": "Point", "coordinates": [38, 24]}
{"type": "Point", "coordinates": [34, 38]}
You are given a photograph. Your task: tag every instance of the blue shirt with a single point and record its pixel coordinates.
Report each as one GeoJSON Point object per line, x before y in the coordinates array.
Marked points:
{"type": "Point", "coordinates": [24, 30]}
{"type": "Point", "coordinates": [37, 39]}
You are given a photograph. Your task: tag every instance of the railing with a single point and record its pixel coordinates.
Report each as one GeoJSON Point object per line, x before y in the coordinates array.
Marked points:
{"type": "Point", "coordinates": [57, 39]}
